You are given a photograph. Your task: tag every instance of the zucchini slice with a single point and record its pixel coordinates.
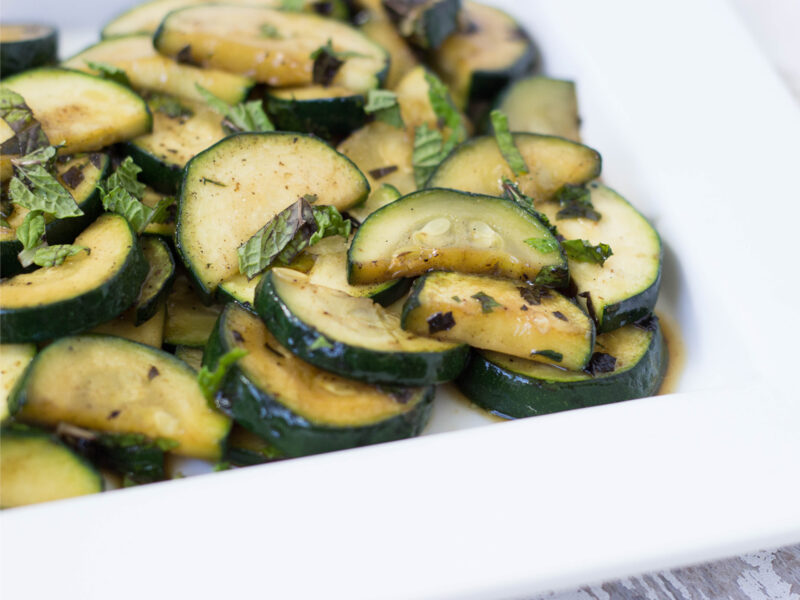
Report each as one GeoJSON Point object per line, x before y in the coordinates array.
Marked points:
{"type": "Point", "coordinates": [189, 321]}
{"type": "Point", "coordinates": [176, 138]}
{"type": "Point", "coordinates": [353, 337]}
{"type": "Point", "coordinates": [150, 71]}
{"type": "Point", "coordinates": [385, 194]}
{"type": "Point", "coordinates": [446, 230]}
{"type": "Point", "coordinates": [159, 278]}
{"type": "Point", "coordinates": [79, 175]}
{"type": "Point", "coordinates": [232, 38]}
{"type": "Point", "coordinates": [229, 192]}
{"type": "Point", "coordinates": [24, 47]}
{"type": "Point", "coordinates": [83, 112]}
{"type": "Point", "coordinates": [89, 288]}
{"type": "Point", "coordinates": [625, 288]}
{"type": "Point", "coordinates": [489, 51]}
{"type": "Point", "coordinates": [298, 408]}
{"type": "Point", "coordinates": [477, 166]}
{"type": "Point", "coordinates": [375, 24]}
{"type": "Point", "coordinates": [246, 448]}
{"type": "Point", "coordinates": [425, 24]}
{"type": "Point", "coordinates": [191, 356]}
{"type": "Point", "coordinates": [110, 384]}
{"type": "Point", "coordinates": [515, 387]}
{"type": "Point", "coordinates": [328, 112]}
{"type": "Point", "coordinates": [14, 359]}
{"type": "Point", "coordinates": [501, 315]}
{"type": "Point", "coordinates": [35, 467]}
{"type": "Point", "coordinates": [166, 229]}
{"type": "Point", "coordinates": [149, 333]}
{"type": "Point", "coordinates": [542, 105]}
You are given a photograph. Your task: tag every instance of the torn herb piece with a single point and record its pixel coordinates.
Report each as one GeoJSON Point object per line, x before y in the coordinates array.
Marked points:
{"type": "Point", "coordinates": [445, 110]}
{"type": "Point", "coordinates": [326, 66]}
{"type": "Point", "coordinates": [31, 230]}
{"type": "Point", "coordinates": [551, 354]}
{"type": "Point", "coordinates": [52, 256]}
{"type": "Point", "coordinates": [584, 251]}
{"type": "Point", "coordinates": [505, 141]}
{"type": "Point", "coordinates": [533, 294]}
{"type": "Point", "coordinates": [543, 245]}
{"type": "Point", "coordinates": [512, 192]}
{"type": "Point", "coordinates": [184, 56]}
{"type": "Point", "coordinates": [269, 31]}
{"type": "Point", "coordinates": [382, 171]}
{"type": "Point", "coordinates": [126, 177]}
{"type": "Point", "coordinates": [169, 106]}
{"type": "Point", "coordinates": [440, 322]}
{"type": "Point", "coordinates": [383, 104]}
{"type": "Point", "coordinates": [601, 363]}
{"type": "Point", "coordinates": [292, 5]}
{"type": "Point", "coordinates": [121, 202]}
{"type": "Point", "coordinates": [555, 276]}
{"type": "Point", "coordinates": [110, 72]}
{"type": "Point", "coordinates": [28, 133]}
{"type": "Point", "coordinates": [35, 188]}
{"type": "Point", "coordinates": [488, 304]}
{"type": "Point", "coordinates": [427, 154]}
{"type": "Point", "coordinates": [161, 211]}
{"type": "Point", "coordinates": [575, 203]}
{"type": "Point", "coordinates": [245, 116]}
{"type": "Point", "coordinates": [210, 381]}
{"type": "Point", "coordinates": [320, 342]}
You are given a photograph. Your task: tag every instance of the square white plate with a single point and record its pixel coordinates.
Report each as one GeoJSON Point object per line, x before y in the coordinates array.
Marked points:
{"type": "Point", "coordinates": [698, 132]}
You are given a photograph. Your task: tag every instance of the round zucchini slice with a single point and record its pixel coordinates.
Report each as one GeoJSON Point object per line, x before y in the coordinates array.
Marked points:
{"type": "Point", "coordinates": [83, 112]}
{"type": "Point", "coordinates": [113, 385]}
{"type": "Point", "coordinates": [159, 278]}
{"type": "Point", "coordinates": [477, 166]}
{"type": "Point", "coordinates": [353, 337]}
{"type": "Point", "coordinates": [24, 47]}
{"type": "Point", "coordinates": [542, 105]}
{"type": "Point", "coordinates": [89, 288]}
{"type": "Point", "coordinates": [238, 185]}
{"type": "Point", "coordinates": [189, 321]}
{"type": "Point", "coordinates": [425, 24]}
{"type": "Point", "coordinates": [298, 408]}
{"type": "Point", "coordinates": [14, 359]}
{"type": "Point", "coordinates": [35, 467]}
{"type": "Point", "coordinates": [233, 38]}
{"type": "Point", "coordinates": [629, 363]}
{"type": "Point", "coordinates": [328, 112]}
{"type": "Point", "coordinates": [150, 71]}
{"type": "Point", "coordinates": [446, 230]}
{"type": "Point", "coordinates": [498, 314]}
{"type": "Point", "coordinates": [79, 175]}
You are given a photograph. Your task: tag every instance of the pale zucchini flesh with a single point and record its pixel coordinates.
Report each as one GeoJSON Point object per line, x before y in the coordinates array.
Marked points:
{"type": "Point", "coordinates": [189, 321]}
{"type": "Point", "coordinates": [542, 105]}
{"type": "Point", "coordinates": [14, 359]}
{"type": "Point", "coordinates": [149, 332]}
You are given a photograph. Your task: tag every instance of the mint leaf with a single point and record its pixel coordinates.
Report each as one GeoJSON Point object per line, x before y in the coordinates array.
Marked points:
{"type": "Point", "coordinates": [428, 153]}
{"type": "Point", "coordinates": [35, 188]}
{"type": "Point", "coordinates": [126, 177]}
{"type": "Point", "coordinates": [383, 104]}
{"type": "Point", "coordinates": [329, 223]}
{"type": "Point", "coordinates": [245, 116]}
{"type": "Point", "coordinates": [122, 192]}
{"type": "Point", "coordinates": [446, 112]}
{"type": "Point", "coordinates": [512, 192]}
{"type": "Point", "coordinates": [292, 5]}
{"type": "Point", "coordinates": [31, 231]}
{"type": "Point", "coordinates": [161, 210]}
{"type": "Point", "coordinates": [584, 251]}
{"type": "Point", "coordinates": [488, 304]}
{"type": "Point", "coordinates": [269, 31]}
{"type": "Point", "coordinates": [121, 202]}
{"type": "Point", "coordinates": [169, 106]}
{"type": "Point", "coordinates": [210, 381]}
{"type": "Point", "coordinates": [320, 342]}
{"type": "Point", "coordinates": [505, 141]}
{"type": "Point", "coordinates": [543, 245]}
{"type": "Point", "coordinates": [28, 133]}
{"type": "Point", "coordinates": [575, 203]}
{"type": "Point", "coordinates": [110, 72]}
{"type": "Point", "coordinates": [51, 256]}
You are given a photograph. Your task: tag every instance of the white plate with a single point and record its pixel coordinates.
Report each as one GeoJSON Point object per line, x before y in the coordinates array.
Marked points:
{"type": "Point", "coordinates": [698, 132]}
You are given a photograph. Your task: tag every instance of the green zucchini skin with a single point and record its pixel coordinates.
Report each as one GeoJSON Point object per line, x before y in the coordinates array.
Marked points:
{"type": "Point", "coordinates": [159, 175]}
{"type": "Point", "coordinates": [513, 395]}
{"type": "Point", "coordinates": [631, 309]}
{"type": "Point", "coordinates": [328, 118]}
{"type": "Point", "coordinates": [159, 277]}
{"type": "Point", "coordinates": [431, 27]}
{"type": "Point", "coordinates": [363, 364]}
{"type": "Point", "coordinates": [21, 55]}
{"type": "Point", "coordinates": [132, 455]}
{"type": "Point", "coordinates": [262, 413]}
{"type": "Point", "coordinates": [37, 323]}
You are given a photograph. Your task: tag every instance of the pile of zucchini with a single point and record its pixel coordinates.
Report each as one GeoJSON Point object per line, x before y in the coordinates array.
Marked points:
{"type": "Point", "coordinates": [265, 229]}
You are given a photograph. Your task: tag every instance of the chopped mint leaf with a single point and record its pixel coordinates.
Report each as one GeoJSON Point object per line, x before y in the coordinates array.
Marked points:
{"type": "Point", "coordinates": [52, 256]}
{"type": "Point", "coordinates": [329, 223]}
{"type": "Point", "coordinates": [270, 31]}
{"type": "Point", "coordinates": [245, 116]}
{"type": "Point", "coordinates": [169, 106]}
{"type": "Point", "coordinates": [121, 202]}
{"type": "Point", "coordinates": [505, 141]}
{"type": "Point", "coordinates": [552, 276]}
{"type": "Point", "coordinates": [320, 342]}
{"type": "Point", "coordinates": [584, 251]}
{"type": "Point", "coordinates": [543, 245]}
{"type": "Point", "coordinates": [4, 223]}
{"type": "Point", "coordinates": [35, 188]}
{"type": "Point", "coordinates": [161, 212]}
{"type": "Point", "coordinates": [512, 192]}
{"type": "Point", "coordinates": [488, 304]}
{"type": "Point", "coordinates": [209, 380]}
{"type": "Point", "coordinates": [383, 104]}
{"type": "Point", "coordinates": [292, 5]}
{"type": "Point", "coordinates": [455, 299]}
{"type": "Point", "coordinates": [440, 322]}
{"type": "Point", "coordinates": [575, 201]}
{"type": "Point", "coordinates": [428, 153]}
{"type": "Point", "coordinates": [28, 133]}
{"type": "Point", "coordinates": [110, 72]}
{"type": "Point", "coordinates": [126, 177]}
{"type": "Point", "coordinates": [601, 363]}
{"type": "Point", "coordinates": [166, 444]}
{"type": "Point", "coordinates": [121, 193]}
{"type": "Point", "coordinates": [552, 355]}
{"type": "Point", "coordinates": [31, 230]}
{"type": "Point", "coordinates": [446, 112]}
{"type": "Point", "coordinates": [223, 465]}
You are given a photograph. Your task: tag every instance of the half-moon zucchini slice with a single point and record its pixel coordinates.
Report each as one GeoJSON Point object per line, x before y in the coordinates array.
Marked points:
{"type": "Point", "coordinates": [328, 112]}
{"type": "Point", "coordinates": [158, 282]}
{"type": "Point", "coordinates": [497, 314]}
{"type": "Point", "coordinates": [446, 230]}
{"type": "Point", "coordinates": [542, 105]}
{"type": "Point", "coordinates": [89, 288]}
{"type": "Point", "coordinates": [189, 321]}
{"type": "Point", "coordinates": [83, 112]}
{"type": "Point", "coordinates": [111, 384]}
{"type": "Point", "coordinates": [353, 337]}
{"type": "Point", "coordinates": [24, 47]}
{"type": "Point", "coordinates": [149, 332]}
{"type": "Point", "coordinates": [427, 23]}
{"type": "Point", "coordinates": [232, 38]}
{"type": "Point", "coordinates": [235, 187]}
{"type": "Point", "coordinates": [298, 408]}
{"type": "Point", "coordinates": [629, 363]}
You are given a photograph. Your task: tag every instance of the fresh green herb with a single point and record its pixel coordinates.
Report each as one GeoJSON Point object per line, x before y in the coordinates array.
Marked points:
{"type": "Point", "coordinates": [110, 72]}
{"type": "Point", "coordinates": [126, 177]}
{"type": "Point", "coordinates": [223, 465]}
{"type": "Point", "coordinates": [427, 154]}
{"type": "Point", "coordinates": [288, 233]}
{"type": "Point", "coordinates": [4, 223]}
{"type": "Point", "coordinates": [169, 106]}
{"type": "Point", "coordinates": [552, 276]}
{"type": "Point", "coordinates": [28, 133]}
{"type": "Point", "coordinates": [245, 116]}
{"type": "Point", "coordinates": [270, 31]}
{"type": "Point", "coordinates": [328, 49]}
{"type": "Point", "coordinates": [31, 231]}
{"type": "Point", "coordinates": [455, 299]}
{"type": "Point", "coordinates": [320, 342]}
{"type": "Point", "coordinates": [52, 256]}
{"type": "Point", "coordinates": [35, 188]}
{"type": "Point", "coordinates": [210, 381]}
{"type": "Point", "coordinates": [310, 198]}
{"type": "Point", "coordinates": [552, 355]}
{"type": "Point", "coordinates": [128, 481]}
{"type": "Point", "coordinates": [122, 192]}
{"type": "Point", "coordinates": [512, 192]}
{"type": "Point", "coordinates": [543, 245]}
{"type": "Point", "coordinates": [505, 141]}
{"type": "Point", "coordinates": [292, 5]}
{"type": "Point", "coordinates": [575, 201]}
{"type": "Point", "coordinates": [166, 444]}
{"type": "Point", "coordinates": [488, 304]}
{"type": "Point", "coordinates": [161, 212]}
{"type": "Point", "coordinates": [446, 112]}
{"type": "Point", "coordinates": [383, 104]}
{"type": "Point", "coordinates": [584, 251]}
